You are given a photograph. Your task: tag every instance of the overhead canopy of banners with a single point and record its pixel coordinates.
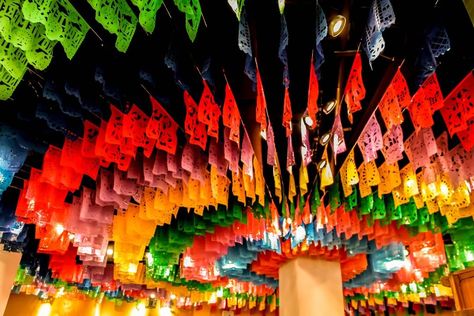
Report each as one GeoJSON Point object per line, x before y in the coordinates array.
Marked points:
{"type": "Point", "coordinates": [192, 147]}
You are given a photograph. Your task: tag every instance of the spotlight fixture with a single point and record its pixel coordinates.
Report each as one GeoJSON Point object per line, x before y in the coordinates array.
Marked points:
{"type": "Point", "coordinates": [322, 164]}
{"type": "Point", "coordinates": [337, 25]}
{"type": "Point", "coordinates": [308, 121]}
{"type": "Point", "coordinates": [110, 250]}
{"type": "Point", "coordinates": [329, 106]}
{"type": "Point", "coordinates": [325, 139]}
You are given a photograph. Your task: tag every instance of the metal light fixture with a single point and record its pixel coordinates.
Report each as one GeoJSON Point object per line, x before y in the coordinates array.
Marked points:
{"type": "Point", "coordinates": [308, 121]}
{"type": "Point", "coordinates": [329, 106]}
{"type": "Point", "coordinates": [322, 164]}
{"type": "Point", "coordinates": [325, 139]}
{"type": "Point", "coordinates": [337, 25]}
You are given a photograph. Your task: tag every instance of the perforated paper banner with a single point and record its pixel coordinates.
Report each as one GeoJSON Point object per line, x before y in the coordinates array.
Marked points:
{"type": "Point", "coordinates": [163, 128]}
{"type": "Point", "coordinates": [459, 105]}
{"type": "Point", "coordinates": [381, 16]}
{"type": "Point", "coordinates": [371, 139]}
{"type": "Point", "coordinates": [355, 90]}
{"type": "Point", "coordinates": [313, 93]}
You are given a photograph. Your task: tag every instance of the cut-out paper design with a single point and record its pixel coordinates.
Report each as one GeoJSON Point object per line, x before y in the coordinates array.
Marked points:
{"type": "Point", "coordinates": [355, 89]}
{"type": "Point", "coordinates": [371, 139]}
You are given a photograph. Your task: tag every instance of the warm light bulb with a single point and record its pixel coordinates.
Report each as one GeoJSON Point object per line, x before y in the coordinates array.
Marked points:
{"type": "Point", "coordinates": [322, 164]}
{"type": "Point", "coordinates": [152, 295]}
{"type": "Point", "coordinates": [336, 26]}
{"type": "Point", "coordinates": [172, 296]}
{"type": "Point", "coordinates": [308, 121]}
{"type": "Point", "coordinates": [329, 106]}
{"type": "Point", "coordinates": [325, 138]}
{"type": "Point", "coordinates": [110, 251]}
{"type": "Point", "coordinates": [59, 229]}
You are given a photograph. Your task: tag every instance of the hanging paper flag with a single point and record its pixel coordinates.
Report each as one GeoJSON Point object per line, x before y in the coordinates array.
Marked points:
{"type": "Point", "coordinates": [91, 132]}
{"type": "Point", "coordinates": [148, 13]}
{"type": "Point", "coordinates": [349, 175]}
{"type": "Point", "coordinates": [371, 139]}
{"type": "Point", "coordinates": [236, 6]}
{"type": "Point", "coordinates": [118, 18]}
{"type": "Point", "coordinates": [337, 139]}
{"type": "Point", "coordinates": [459, 105]}
{"type": "Point", "coordinates": [292, 188]}
{"type": "Point", "coordinates": [420, 111]}
{"type": "Point", "coordinates": [313, 93]}
{"type": "Point", "coordinates": [304, 180]}
{"type": "Point", "coordinates": [305, 144]}
{"type": "Point", "coordinates": [259, 182]}
{"type": "Point", "coordinates": [246, 155]}
{"type": "Point", "coordinates": [277, 179]}
{"type": "Point", "coordinates": [209, 112]}
{"type": "Point", "coordinates": [325, 171]}
{"type": "Point", "coordinates": [134, 127]}
{"type": "Point", "coordinates": [287, 113]}
{"type": "Point", "coordinates": [419, 147]}
{"type": "Point", "coordinates": [390, 109]}
{"type": "Point", "coordinates": [436, 44]}
{"type": "Point", "coordinates": [393, 144]}
{"type": "Point", "coordinates": [283, 50]}
{"type": "Point", "coordinates": [281, 6]}
{"type": "Point", "coordinates": [245, 45]}
{"type": "Point", "coordinates": [290, 155]}
{"type": "Point", "coordinates": [114, 129]}
{"type": "Point", "coordinates": [369, 176]}
{"type": "Point", "coordinates": [467, 136]}
{"type": "Point", "coordinates": [381, 16]}
{"type": "Point", "coordinates": [321, 33]}
{"type": "Point", "coordinates": [389, 178]}
{"type": "Point", "coordinates": [400, 86]}
{"type": "Point", "coordinates": [231, 152]}
{"type": "Point", "coordinates": [261, 116]}
{"type": "Point", "coordinates": [271, 148]}
{"type": "Point", "coordinates": [432, 92]}
{"type": "Point", "coordinates": [231, 115]}
{"type": "Point", "coordinates": [355, 90]}
{"type": "Point", "coordinates": [163, 128]}
{"type": "Point", "coordinates": [195, 129]}
{"type": "Point", "coordinates": [192, 10]}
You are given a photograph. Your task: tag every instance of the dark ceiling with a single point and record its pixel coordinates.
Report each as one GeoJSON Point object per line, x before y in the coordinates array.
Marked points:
{"type": "Point", "coordinates": [127, 78]}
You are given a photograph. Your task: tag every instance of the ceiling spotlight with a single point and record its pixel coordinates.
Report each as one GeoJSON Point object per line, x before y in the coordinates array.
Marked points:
{"type": "Point", "coordinates": [336, 26]}
{"type": "Point", "coordinates": [110, 249]}
{"type": "Point", "coordinates": [322, 164]}
{"type": "Point", "coordinates": [325, 139]}
{"type": "Point", "coordinates": [308, 121]}
{"type": "Point", "coordinates": [329, 106]}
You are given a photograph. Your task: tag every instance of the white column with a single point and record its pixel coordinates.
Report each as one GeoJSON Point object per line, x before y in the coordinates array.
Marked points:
{"type": "Point", "coordinates": [311, 287]}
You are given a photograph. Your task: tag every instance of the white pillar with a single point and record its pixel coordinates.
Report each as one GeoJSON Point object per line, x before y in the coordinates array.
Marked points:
{"type": "Point", "coordinates": [311, 287]}
{"type": "Point", "coordinates": [9, 263]}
